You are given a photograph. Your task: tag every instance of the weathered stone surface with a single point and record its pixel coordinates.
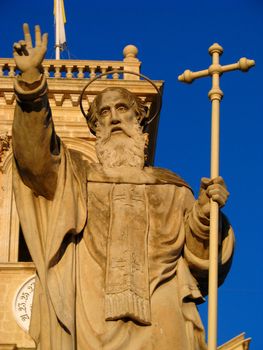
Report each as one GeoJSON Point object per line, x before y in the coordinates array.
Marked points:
{"type": "Point", "coordinates": [121, 249]}
{"type": "Point", "coordinates": [11, 277]}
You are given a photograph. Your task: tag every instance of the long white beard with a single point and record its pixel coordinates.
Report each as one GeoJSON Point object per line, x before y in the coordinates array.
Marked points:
{"type": "Point", "coordinates": [114, 151]}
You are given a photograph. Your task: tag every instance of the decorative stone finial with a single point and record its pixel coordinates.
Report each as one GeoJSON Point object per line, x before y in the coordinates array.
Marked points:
{"type": "Point", "coordinates": [215, 48]}
{"type": "Point", "coordinates": [245, 64]}
{"type": "Point", "coordinates": [130, 53]}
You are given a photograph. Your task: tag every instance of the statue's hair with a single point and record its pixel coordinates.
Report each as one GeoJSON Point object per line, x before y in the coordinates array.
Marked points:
{"type": "Point", "coordinates": [133, 100]}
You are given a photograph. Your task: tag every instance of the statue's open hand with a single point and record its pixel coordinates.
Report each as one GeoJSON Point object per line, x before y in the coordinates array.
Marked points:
{"type": "Point", "coordinates": [215, 189]}
{"type": "Point", "coordinates": [27, 57]}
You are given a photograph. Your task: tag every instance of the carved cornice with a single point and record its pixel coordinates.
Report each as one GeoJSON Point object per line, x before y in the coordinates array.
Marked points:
{"type": "Point", "coordinates": [66, 92]}
{"type": "Point", "coordinates": [14, 267]}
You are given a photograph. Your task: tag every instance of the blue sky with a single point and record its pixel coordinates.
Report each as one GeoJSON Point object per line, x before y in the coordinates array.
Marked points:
{"type": "Point", "coordinates": [171, 37]}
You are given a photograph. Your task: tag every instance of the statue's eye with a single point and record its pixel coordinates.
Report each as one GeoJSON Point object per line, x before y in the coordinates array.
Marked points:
{"type": "Point", "coordinates": [104, 112]}
{"type": "Point", "coordinates": [122, 108]}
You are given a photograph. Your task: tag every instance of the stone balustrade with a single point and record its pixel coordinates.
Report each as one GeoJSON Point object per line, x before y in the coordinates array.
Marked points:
{"type": "Point", "coordinates": [82, 69]}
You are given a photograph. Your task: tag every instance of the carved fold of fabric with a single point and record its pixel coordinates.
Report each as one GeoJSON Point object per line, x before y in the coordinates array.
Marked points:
{"type": "Point", "coordinates": [127, 281]}
{"type": "Point", "coordinates": [198, 223]}
{"type": "Point", "coordinates": [30, 91]}
{"type": "Point", "coordinates": [127, 304]}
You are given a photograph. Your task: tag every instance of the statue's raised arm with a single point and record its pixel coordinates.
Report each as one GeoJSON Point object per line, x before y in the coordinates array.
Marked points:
{"type": "Point", "coordinates": [35, 143]}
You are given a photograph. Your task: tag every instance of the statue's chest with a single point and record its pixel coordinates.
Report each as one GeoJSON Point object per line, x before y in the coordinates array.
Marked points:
{"type": "Point", "coordinates": [107, 198]}
{"type": "Point", "coordinates": [118, 212]}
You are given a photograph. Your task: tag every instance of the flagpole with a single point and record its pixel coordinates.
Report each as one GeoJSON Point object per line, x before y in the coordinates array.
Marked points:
{"type": "Point", "coordinates": [57, 45]}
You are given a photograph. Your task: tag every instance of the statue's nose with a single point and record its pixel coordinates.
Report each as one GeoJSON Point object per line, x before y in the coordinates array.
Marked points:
{"type": "Point", "coordinates": [114, 117]}
{"type": "Point", "coordinates": [115, 121]}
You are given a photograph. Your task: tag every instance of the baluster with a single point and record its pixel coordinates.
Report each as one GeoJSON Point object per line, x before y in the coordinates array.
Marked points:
{"type": "Point", "coordinates": [57, 72]}
{"type": "Point", "coordinates": [69, 71]}
{"type": "Point", "coordinates": [80, 73]}
{"type": "Point", "coordinates": [92, 72]}
{"type": "Point", "coordinates": [46, 72]}
{"type": "Point", "coordinates": [103, 70]}
{"type": "Point", "coordinates": [11, 70]}
{"type": "Point", "coordinates": [115, 75]}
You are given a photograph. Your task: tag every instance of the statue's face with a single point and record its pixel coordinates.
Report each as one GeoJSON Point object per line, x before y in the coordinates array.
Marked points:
{"type": "Point", "coordinates": [120, 141]}
{"type": "Point", "coordinates": [115, 113]}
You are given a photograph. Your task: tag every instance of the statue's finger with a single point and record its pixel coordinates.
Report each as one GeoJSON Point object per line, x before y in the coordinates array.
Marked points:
{"type": "Point", "coordinates": [219, 180]}
{"type": "Point", "coordinates": [44, 40]}
{"type": "Point", "coordinates": [37, 35]}
{"type": "Point", "coordinates": [16, 46]}
{"type": "Point", "coordinates": [220, 198]}
{"type": "Point", "coordinates": [213, 189]}
{"type": "Point", "coordinates": [23, 47]}
{"type": "Point", "coordinates": [17, 49]}
{"type": "Point", "coordinates": [22, 42]}
{"type": "Point", "coordinates": [27, 35]}
{"type": "Point", "coordinates": [217, 187]}
{"type": "Point", "coordinates": [205, 181]}
{"type": "Point", "coordinates": [217, 198]}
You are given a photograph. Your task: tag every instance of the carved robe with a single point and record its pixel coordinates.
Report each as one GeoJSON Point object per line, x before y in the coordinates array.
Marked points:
{"type": "Point", "coordinates": [120, 255]}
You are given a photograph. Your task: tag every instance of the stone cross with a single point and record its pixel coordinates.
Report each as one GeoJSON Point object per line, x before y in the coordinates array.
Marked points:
{"type": "Point", "coordinates": [215, 95]}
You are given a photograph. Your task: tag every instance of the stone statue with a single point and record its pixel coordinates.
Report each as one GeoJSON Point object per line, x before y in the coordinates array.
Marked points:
{"type": "Point", "coordinates": [121, 250]}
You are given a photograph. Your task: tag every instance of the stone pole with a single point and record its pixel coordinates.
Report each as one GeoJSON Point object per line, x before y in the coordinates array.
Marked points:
{"type": "Point", "coordinates": [215, 95]}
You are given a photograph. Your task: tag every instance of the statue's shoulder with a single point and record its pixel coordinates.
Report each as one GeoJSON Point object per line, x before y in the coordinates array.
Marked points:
{"type": "Point", "coordinates": [80, 164]}
{"type": "Point", "coordinates": [166, 176]}
{"type": "Point", "coordinates": [76, 156]}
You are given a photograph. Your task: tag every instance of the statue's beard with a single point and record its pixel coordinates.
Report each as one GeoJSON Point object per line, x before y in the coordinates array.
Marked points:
{"type": "Point", "coordinates": [123, 149]}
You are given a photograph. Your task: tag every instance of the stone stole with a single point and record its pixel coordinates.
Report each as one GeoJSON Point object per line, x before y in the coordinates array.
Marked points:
{"type": "Point", "coordinates": [127, 281]}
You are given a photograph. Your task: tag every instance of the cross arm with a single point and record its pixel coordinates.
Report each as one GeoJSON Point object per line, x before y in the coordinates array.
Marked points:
{"type": "Point", "coordinates": [243, 64]}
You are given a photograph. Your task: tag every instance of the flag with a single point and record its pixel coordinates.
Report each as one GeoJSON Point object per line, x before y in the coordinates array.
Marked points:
{"type": "Point", "coordinates": [60, 20]}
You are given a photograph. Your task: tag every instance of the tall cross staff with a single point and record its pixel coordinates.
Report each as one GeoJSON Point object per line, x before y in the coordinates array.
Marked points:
{"type": "Point", "coordinates": [215, 95]}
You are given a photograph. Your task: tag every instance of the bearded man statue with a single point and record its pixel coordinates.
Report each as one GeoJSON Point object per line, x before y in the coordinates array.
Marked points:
{"type": "Point", "coordinates": [121, 249]}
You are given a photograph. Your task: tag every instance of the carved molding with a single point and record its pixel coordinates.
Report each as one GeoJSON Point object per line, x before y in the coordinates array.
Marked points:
{"type": "Point", "coordinates": [6, 163]}
{"type": "Point", "coordinates": [75, 99]}
{"type": "Point", "coordinates": [13, 347]}
{"type": "Point", "coordinates": [59, 98]}
{"type": "Point", "coordinates": [8, 347]}
{"type": "Point", "coordinates": [9, 97]}
{"type": "Point", "coordinates": [5, 145]}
